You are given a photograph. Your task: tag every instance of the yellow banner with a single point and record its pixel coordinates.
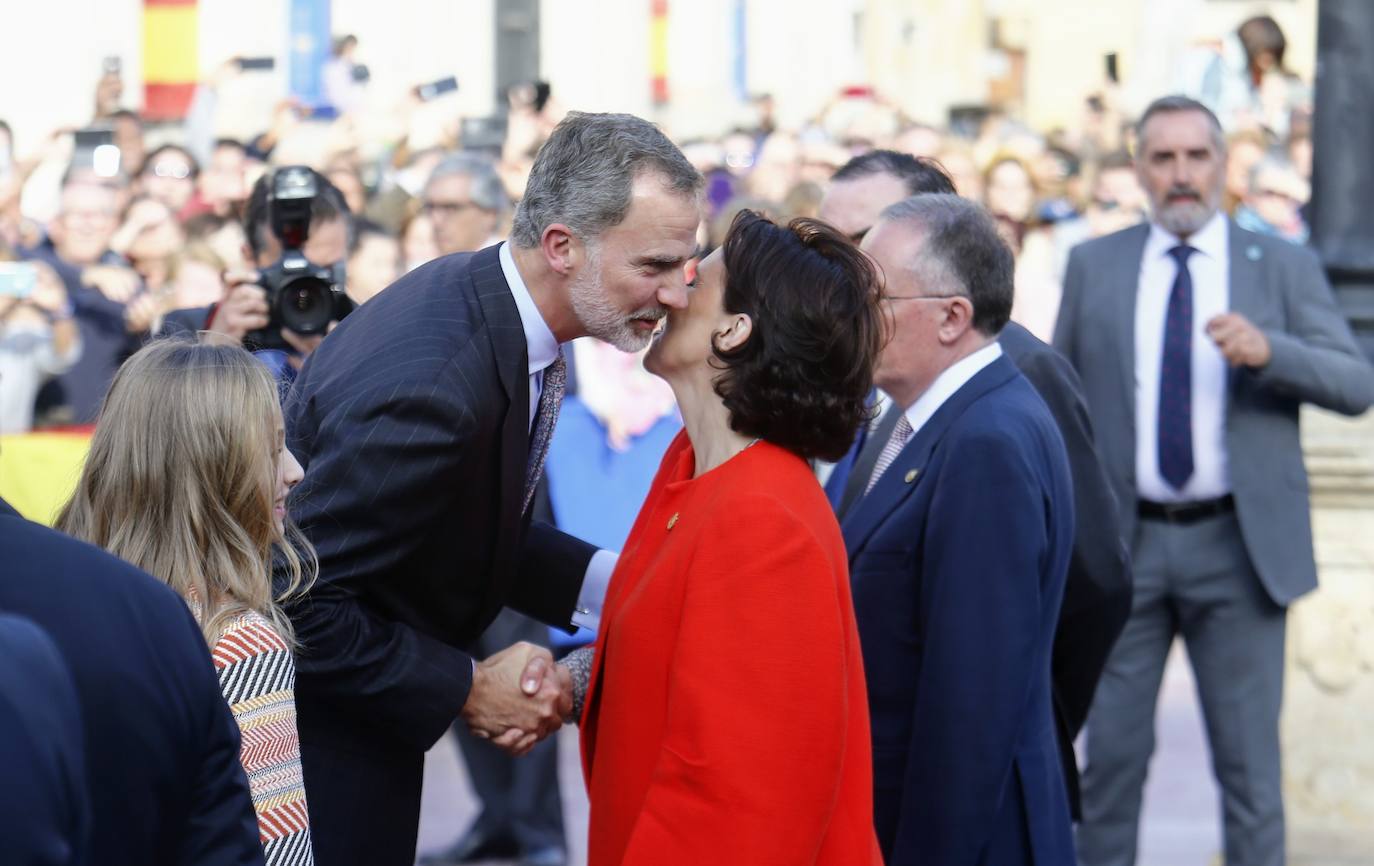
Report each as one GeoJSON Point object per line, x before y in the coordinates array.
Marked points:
{"type": "Point", "coordinates": [39, 471]}
{"type": "Point", "coordinates": [169, 44]}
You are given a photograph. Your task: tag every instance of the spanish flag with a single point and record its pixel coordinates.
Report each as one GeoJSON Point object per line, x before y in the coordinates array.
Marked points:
{"type": "Point", "coordinates": [170, 60]}
{"type": "Point", "coordinates": [658, 51]}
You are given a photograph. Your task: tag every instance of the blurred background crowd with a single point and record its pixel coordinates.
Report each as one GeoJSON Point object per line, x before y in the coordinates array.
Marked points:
{"type": "Point", "coordinates": [137, 210]}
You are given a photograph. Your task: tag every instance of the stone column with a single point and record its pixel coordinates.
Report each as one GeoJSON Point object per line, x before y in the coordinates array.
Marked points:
{"type": "Point", "coordinates": [1328, 718]}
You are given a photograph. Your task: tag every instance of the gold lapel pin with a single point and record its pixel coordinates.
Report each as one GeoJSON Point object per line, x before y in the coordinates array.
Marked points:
{"type": "Point", "coordinates": [911, 475]}
{"type": "Point", "coordinates": [672, 521]}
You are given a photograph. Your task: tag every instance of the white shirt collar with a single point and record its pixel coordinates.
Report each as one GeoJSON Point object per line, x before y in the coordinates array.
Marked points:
{"type": "Point", "coordinates": [1210, 240]}
{"type": "Point", "coordinates": [540, 343]}
{"type": "Point", "coordinates": [948, 383]}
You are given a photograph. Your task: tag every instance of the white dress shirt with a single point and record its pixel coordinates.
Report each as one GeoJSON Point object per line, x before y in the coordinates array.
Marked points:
{"type": "Point", "coordinates": [542, 348]}
{"type": "Point", "coordinates": [1210, 270]}
{"type": "Point", "coordinates": [948, 383]}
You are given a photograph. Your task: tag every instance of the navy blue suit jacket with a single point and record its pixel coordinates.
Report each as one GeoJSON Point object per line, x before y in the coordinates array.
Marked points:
{"type": "Point", "coordinates": [412, 422]}
{"type": "Point", "coordinates": [44, 810]}
{"type": "Point", "coordinates": [162, 748]}
{"type": "Point", "coordinates": [958, 559]}
{"type": "Point", "coordinates": [1097, 594]}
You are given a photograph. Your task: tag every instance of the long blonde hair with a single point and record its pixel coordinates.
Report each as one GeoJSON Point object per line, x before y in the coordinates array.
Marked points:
{"type": "Point", "coordinates": [181, 481]}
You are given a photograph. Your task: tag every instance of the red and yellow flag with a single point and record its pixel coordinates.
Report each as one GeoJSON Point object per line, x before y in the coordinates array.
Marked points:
{"type": "Point", "coordinates": [171, 63]}
{"type": "Point", "coordinates": [658, 51]}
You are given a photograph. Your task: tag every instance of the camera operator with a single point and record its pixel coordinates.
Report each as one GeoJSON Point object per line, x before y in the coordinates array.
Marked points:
{"type": "Point", "coordinates": [245, 313]}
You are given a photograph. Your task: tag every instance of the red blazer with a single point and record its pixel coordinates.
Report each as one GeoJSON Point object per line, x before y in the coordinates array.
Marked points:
{"type": "Point", "coordinates": [727, 716]}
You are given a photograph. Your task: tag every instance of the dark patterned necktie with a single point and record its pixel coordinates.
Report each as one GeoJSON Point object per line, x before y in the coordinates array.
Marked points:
{"type": "Point", "coordinates": [550, 398]}
{"type": "Point", "coordinates": [1176, 378]}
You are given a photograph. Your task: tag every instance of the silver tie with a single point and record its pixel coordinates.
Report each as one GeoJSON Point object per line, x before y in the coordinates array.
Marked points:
{"type": "Point", "coordinates": [900, 435]}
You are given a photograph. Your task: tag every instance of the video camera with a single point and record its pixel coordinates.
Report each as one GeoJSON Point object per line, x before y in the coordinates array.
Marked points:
{"type": "Point", "coordinates": [301, 296]}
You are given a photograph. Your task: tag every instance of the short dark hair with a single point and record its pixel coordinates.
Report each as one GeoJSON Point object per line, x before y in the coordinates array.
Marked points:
{"type": "Point", "coordinates": [328, 204]}
{"type": "Point", "coordinates": [363, 229]}
{"type": "Point", "coordinates": [170, 148]}
{"type": "Point", "coordinates": [1262, 35]}
{"type": "Point", "coordinates": [962, 252]}
{"type": "Point", "coordinates": [918, 173]}
{"type": "Point", "coordinates": [802, 379]}
{"type": "Point", "coordinates": [126, 114]}
{"type": "Point", "coordinates": [1115, 160]}
{"type": "Point", "coordinates": [1176, 103]}
{"type": "Point", "coordinates": [232, 143]}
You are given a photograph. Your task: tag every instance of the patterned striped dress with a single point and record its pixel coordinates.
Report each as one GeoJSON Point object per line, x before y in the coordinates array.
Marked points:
{"type": "Point", "coordinates": [258, 678]}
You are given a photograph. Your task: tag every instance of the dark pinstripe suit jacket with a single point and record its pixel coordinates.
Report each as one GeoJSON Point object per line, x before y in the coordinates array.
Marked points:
{"type": "Point", "coordinates": [411, 421]}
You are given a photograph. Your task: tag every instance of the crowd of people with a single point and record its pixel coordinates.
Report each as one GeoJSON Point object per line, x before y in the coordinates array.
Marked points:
{"type": "Point", "coordinates": [368, 523]}
{"type": "Point", "coordinates": [165, 231]}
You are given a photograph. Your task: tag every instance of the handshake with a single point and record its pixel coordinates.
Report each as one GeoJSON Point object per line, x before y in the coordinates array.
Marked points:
{"type": "Point", "coordinates": [519, 696]}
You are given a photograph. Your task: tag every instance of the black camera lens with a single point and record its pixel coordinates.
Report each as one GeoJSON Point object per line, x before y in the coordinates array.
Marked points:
{"type": "Point", "coordinates": [306, 305]}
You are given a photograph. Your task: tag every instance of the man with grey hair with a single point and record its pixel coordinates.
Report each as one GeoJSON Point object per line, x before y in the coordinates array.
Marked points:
{"type": "Point", "coordinates": [1097, 593]}
{"type": "Point", "coordinates": [466, 202]}
{"type": "Point", "coordinates": [422, 422]}
{"type": "Point", "coordinates": [1197, 342]}
{"type": "Point", "coordinates": [521, 811]}
{"type": "Point", "coordinates": [958, 555]}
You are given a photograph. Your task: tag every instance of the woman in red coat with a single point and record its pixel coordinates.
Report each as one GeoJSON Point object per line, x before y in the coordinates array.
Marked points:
{"type": "Point", "coordinates": [726, 719]}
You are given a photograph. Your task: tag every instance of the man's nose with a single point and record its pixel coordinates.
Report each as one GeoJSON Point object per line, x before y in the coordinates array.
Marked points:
{"type": "Point", "coordinates": [1182, 174]}
{"type": "Point", "coordinates": [673, 293]}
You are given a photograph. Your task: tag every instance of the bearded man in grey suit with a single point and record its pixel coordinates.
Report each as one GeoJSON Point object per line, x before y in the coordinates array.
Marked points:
{"type": "Point", "coordinates": [1197, 342]}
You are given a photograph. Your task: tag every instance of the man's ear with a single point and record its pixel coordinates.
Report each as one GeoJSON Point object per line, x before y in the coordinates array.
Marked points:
{"type": "Point", "coordinates": [958, 319]}
{"type": "Point", "coordinates": [736, 333]}
{"type": "Point", "coordinates": [560, 248]}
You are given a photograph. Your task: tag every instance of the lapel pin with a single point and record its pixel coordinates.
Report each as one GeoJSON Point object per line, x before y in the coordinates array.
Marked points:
{"type": "Point", "coordinates": [1254, 253]}
{"type": "Point", "coordinates": [911, 475]}
{"type": "Point", "coordinates": [672, 521]}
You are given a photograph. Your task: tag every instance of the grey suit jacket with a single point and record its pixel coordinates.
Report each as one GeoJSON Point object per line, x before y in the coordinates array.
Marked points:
{"type": "Point", "coordinates": [1281, 289]}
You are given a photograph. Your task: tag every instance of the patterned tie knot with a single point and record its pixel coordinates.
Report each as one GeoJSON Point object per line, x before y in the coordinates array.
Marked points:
{"type": "Point", "coordinates": [1181, 253]}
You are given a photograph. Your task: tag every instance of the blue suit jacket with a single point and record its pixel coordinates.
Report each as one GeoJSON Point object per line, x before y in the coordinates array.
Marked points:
{"type": "Point", "coordinates": [44, 810]}
{"type": "Point", "coordinates": [162, 749]}
{"type": "Point", "coordinates": [958, 559]}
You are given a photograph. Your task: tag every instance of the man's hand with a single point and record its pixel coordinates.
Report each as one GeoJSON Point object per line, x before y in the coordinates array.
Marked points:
{"type": "Point", "coordinates": [142, 311]}
{"type": "Point", "coordinates": [515, 689]}
{"type": "Point", "coordinates": [50, 293]}
{"type": "Point", "coordinates": [302, 344]}
{"type": "Point", "coordinates": [1242, 344]}
{"type": "Point", "coordinates": [244, 307]}
{"type": "Point", "coordinates": [119, 284]}
{"type": "Point", "coordinates": [517, 742]}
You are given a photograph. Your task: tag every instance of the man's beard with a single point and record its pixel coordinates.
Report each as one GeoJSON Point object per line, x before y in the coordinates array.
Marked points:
{"type": "Point", "coordinates": [600, 317]}
{"type": "Point", "coordinates": [1185, 218]}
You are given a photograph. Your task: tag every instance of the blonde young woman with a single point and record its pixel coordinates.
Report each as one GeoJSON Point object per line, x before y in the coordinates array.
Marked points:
{"type": "Point", "coordinates": [187, 478]}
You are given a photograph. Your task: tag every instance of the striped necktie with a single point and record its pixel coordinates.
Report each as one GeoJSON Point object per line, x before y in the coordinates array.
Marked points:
{"type": "Point", "coordinates": [900, 434]}
{"type": "Point", "coordinates": [550, 399]}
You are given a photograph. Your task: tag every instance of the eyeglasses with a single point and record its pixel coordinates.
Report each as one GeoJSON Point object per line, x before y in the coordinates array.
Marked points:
{"type": "Point", "coordinates": [179, 172]}
{"type": "Point", "coordinates": [446, 208]}
{"type": "Point", "coordinates": [919, 297]}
